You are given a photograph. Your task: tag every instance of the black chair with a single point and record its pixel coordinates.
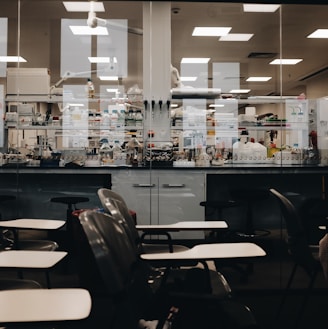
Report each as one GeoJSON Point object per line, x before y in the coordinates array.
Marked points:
{"type": "Point", "coordinates": [112, 201]}
{"type": "Point", "coordinates": [125, 277]}
{"type": "Point", "coordinates": [303, 255]}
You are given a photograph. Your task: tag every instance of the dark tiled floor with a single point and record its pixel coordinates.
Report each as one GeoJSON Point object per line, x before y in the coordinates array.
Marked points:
{"type": "Point", "coordinates": [262, 292]}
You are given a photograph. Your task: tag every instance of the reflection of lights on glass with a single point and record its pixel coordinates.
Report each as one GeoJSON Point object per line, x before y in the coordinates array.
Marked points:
{"type": "Point", "coordinates": [108, 78]}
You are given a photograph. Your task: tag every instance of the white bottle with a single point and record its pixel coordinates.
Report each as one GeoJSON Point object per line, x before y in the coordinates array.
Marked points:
{"type": "Point", "coordinates": [105, 120]}
{"type": "Point", "coordinates": [114, 118]}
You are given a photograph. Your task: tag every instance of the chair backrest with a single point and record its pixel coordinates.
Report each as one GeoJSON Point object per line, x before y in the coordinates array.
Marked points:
{"type": "Point", "coordinates": [125, 276]}
{"type": "Point", "coordinates": [297, 242]}
{"type": "Point", "coordinates": [114, 204]}
{"type": "Point", "coordinates": [108, 242]}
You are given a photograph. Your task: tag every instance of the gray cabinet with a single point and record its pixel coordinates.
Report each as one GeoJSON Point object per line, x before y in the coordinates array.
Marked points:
{"type": "Point", "coordinates": [163, 196]}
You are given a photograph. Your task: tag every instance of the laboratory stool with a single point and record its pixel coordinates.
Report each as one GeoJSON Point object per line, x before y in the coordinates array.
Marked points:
{"type": "Point", "coordinates": [71, 202]}
{"type": "Point", "coordinates": [216, 207]}
{"type": "Point", "coordinates": [250, 198]}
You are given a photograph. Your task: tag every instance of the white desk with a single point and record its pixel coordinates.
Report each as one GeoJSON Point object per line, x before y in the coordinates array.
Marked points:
{"type": "Point", "coordinates": [37, 305]}
{"type": "Point", "coordinates": [185, 226]}
{"type": "Point", "coordinates": [30, 259]}
{"type": "Point", "coordinates": [33, 224]}
{"type": "Point", "coordinates": [211, 251]}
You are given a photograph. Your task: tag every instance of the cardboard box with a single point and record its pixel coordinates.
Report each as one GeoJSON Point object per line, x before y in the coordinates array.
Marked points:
{"type": "Point", "coordinates": [28, 81]}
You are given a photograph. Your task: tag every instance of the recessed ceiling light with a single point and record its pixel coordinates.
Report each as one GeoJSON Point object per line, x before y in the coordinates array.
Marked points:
{"type": "Point", "coordinates": [79, 6]}
{"type": "Point", "coordinates": [188, 79]}
{"type": "Point", "coordinates": [319, 33]}
{"type": "Point", "coordinates": [259, 79]}
{"type": "Point", "coordinates": [108, 78]}
{"type": "Point", "coordinates": [240, 91]}
{"type": "Point", "coordinates": [285, 61]}
{"type": "Point", "coordinates": [210, 31]}
{"type": "Point", "coordinates": [98, 59]}
{"type": "Point", "coordinates": [102, 59]}
{"type": "Point", "coordinates": [260, 8]}
{"type": "Point", "coordinates": [86, 30]}
{"type": "Point", "coordinates": [216, 105]}
{"type": "Point", "coordinates": [12, 59]}
{"type": "Point", "coordinates": [236, 37]}
{"type": "Point", "coordinates": [195, 60]}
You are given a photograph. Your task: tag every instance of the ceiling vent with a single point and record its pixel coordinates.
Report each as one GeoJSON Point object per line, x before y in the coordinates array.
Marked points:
{"type": "Point", "coordinates": [313, 74]}
{"type": "Point", "coordinates": [262, 55]}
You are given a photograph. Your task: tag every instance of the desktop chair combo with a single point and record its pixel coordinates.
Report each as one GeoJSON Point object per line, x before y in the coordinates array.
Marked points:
{"type": "Point", "coordinates": [125, 276]}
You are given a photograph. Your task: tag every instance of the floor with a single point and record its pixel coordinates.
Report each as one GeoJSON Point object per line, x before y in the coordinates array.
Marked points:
{"type": "Point", "coordinates": [262, 292]}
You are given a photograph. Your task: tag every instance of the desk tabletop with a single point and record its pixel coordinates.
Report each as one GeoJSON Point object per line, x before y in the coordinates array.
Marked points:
{"type": "Point", "coordinates": [185, 226]}
{"type": "Point", "coordinates": [211, 251]}
{"type": "Point", "coordinates": [36, 305]}
{"type": "Point", "coordinates": [30, 259]}
{"type": "Point", "coordinates": [33, 224]}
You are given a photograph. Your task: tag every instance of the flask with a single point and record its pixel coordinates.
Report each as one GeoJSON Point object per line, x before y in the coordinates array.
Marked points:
{"type": "Point", "coordinates": [90, 89]}
{"type": "Point", "coordinates": [105, 152]}
{"type": "Point", "coordinates": [117, 154]}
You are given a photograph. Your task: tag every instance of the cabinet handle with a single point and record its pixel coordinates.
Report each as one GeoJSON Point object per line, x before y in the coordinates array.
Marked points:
{"type": "Point", "coordinates": [174, 185]}
{"type": "Point", "coordinates": [143, 185]}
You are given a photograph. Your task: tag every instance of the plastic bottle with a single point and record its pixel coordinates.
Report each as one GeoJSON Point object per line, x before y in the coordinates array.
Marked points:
{"type": "Point", "coordinates": [114, 118]}
{"type": "Point", "coordinates": [105, 120]}
{"type": "Point", "coordinates": [121, 117]}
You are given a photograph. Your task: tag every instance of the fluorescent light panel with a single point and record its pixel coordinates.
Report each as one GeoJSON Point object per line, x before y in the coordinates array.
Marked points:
{"type": "Point", "coordinates": [86, 30]}
{"type": "Point", "coordinates": [12, 59]}
{"type": "Point", "coordinates": [236, 37]}
{"type": "Point", "coordinates": [102, 60]}
{"type": "Point", "coordinates": [258, 79]}
{"type": "Point", "coordinates": [195, 60]}
{"type": "Point", "coordinates": [80, 6]}
{"type": "Point", "coordinates": [216, 105]}
{"type": "Point", "coordinates": [319, 33]}
{"type": "Point", "coordinates": [240, 91]}
{"type": "Point", "coordinates": [285, 61]}
{"type": "Point", "coordinates": [188, 79]}
{"type": "Point", "coordinates": [108, 78]}
{"type": "Point", "coordinates": [257, 8]}
{"type": "Point", "coordinates": [202, 31]}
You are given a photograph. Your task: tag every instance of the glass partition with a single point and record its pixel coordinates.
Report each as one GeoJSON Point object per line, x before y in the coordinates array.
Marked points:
{"type": "Point", "coordinates": [167, 103]}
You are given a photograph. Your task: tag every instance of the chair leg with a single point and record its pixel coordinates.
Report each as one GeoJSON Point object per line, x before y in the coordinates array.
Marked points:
{"type": "Point", "coordinates": [290, 280]}
{"type": "Point", "coordinates": [306, 299]}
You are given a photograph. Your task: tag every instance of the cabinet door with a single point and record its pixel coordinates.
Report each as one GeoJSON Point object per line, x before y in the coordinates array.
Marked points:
{"type": "Point", "coordinates": [179, 195]}
{"type": "Point", "coordinates": [139, 189]}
